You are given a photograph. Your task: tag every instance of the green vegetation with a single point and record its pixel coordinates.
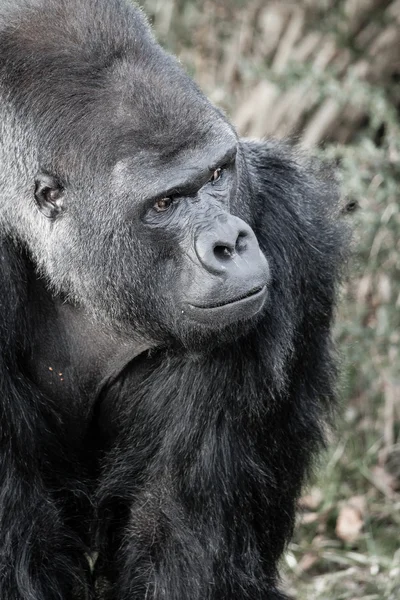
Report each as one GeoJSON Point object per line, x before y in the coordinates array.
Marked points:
{"type": "Point", "coordinates": [328, 73]}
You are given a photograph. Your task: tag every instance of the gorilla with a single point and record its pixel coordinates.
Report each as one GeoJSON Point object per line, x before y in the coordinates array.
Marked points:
{"type": "Point", "coordinates": [167, 373]}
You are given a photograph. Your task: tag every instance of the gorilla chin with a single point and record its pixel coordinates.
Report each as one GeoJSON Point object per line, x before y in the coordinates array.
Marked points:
{"type": "Point", "coordinates": [205, 328]}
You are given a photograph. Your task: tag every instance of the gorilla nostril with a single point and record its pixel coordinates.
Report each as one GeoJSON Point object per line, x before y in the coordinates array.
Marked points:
{"type": "Point", "coordinates": [223, 252]}
{"type": "Point", "coordinates": [241, 243]}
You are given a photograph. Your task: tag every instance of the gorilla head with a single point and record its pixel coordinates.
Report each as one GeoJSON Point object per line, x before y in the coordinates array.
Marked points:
{"type": "Point", "coordinates": [129, 201]}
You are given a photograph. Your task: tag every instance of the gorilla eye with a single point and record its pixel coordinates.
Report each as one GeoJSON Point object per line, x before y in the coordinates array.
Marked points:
{"type": "Point", "coordinates": [216, 175]}
{"type": "Point", "coordinates": [163, 204]}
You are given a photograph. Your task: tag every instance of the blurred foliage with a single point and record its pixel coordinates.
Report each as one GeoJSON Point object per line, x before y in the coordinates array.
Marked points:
{"type": "Point", "coordinates": [328, 73]}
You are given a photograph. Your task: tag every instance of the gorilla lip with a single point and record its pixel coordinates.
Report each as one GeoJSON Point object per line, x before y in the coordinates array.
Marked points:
{"type": "Point", "coordinates": [244, 306]}
{"type": "Point", "coordinates": [250, 294]}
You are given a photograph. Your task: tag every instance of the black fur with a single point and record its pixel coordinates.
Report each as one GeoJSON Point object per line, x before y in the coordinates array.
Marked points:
{"type": "Point", "coordinates": [170, 452]}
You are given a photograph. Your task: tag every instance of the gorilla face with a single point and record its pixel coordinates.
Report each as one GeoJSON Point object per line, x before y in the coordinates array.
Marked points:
{"type": "Point", "coordinates": [135, 213]}
{"type": "Point", "coordinates": [207, 265]}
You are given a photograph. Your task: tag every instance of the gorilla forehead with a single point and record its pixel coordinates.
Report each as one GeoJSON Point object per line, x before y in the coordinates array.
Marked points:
{"type": "Point", "coordinates": [157, 108]}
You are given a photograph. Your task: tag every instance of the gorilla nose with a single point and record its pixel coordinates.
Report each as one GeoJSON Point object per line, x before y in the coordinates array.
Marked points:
{"type": "Point", "coordinates": [227, 245]}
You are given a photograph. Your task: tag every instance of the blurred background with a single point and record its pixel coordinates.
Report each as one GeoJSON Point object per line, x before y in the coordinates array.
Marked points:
{"type": "Point", "coordinates": [328, 73]}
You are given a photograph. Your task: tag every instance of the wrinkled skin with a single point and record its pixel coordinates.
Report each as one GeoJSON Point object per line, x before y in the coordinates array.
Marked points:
{"type": "Point", "coordinates": [166, 370]}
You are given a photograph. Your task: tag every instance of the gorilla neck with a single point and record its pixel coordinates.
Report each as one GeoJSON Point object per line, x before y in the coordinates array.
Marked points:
{"type": "Point", "coordinates": [72, 357]}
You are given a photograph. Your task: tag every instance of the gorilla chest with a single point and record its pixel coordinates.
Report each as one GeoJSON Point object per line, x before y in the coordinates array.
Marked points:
{"type": "Point", "coordinates": [73, 359]}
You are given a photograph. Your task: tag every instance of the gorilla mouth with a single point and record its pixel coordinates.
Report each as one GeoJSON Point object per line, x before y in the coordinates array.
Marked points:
{"type": "Point", "coordinates": [250, 294]}
{"type": "Point", "coordinates": [222, 313]}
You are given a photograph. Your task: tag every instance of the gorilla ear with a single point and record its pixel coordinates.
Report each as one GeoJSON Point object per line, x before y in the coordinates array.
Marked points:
{"type": "Point", "coordinates": [49, 195]}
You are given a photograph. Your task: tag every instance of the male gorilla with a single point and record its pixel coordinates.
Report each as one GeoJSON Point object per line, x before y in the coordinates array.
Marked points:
{"type": "Point", "coordinates": [167, 291]}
